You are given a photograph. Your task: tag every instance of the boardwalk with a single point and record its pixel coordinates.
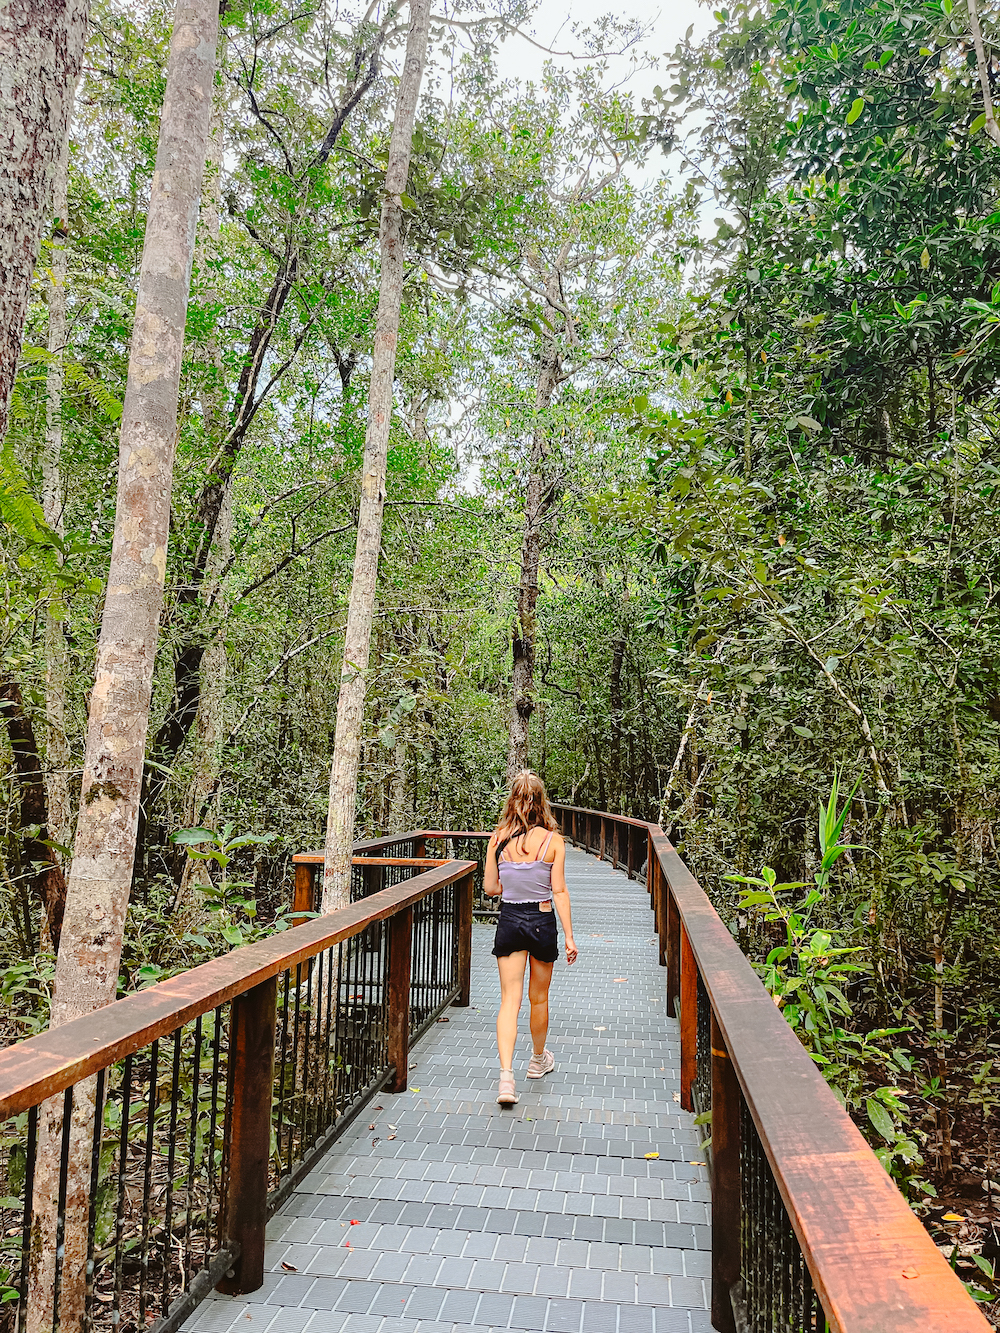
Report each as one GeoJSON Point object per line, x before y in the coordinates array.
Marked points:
{"type": "Point", "coordinates": [546, 1217]}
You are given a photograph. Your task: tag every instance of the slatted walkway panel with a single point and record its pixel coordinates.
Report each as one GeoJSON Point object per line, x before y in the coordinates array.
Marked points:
{"type": "Point", "coordinates": [549, 1217]}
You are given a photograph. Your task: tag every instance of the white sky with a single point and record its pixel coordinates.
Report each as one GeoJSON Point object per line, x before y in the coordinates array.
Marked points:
{"type": "Point", "coordinates": [665, 25]}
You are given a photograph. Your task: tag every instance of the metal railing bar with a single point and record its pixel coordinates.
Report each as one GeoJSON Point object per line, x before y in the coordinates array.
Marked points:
{"type": "Point", "coordinates": [872, 1265]}
{"type": "Point", "coordinates": [290, 1183]}
{"type": "Point", "coordinates": [42, 1066]}
{"type": "Point", "coordinates": [434, 1014]}
{"type": "Point", "coordinates": [201, 1286]}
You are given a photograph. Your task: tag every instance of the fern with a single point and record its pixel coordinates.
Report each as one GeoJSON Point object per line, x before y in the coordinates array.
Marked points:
{"type": "Point", "coordinates": [79, 378]}
{"type": "Point", "coordinates": [20, 512]}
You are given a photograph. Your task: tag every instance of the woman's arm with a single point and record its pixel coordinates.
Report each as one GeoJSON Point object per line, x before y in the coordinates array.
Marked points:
{"type": "Point", "coordinates": [491, 872]}
{"type": "Point", "coordinates": [560, 897]}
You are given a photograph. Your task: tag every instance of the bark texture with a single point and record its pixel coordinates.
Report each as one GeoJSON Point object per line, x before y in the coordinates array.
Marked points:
{"type": "Point", "coordinates": [209, 734]}
{"type": "Point", "coordinates": [104, 846]}
{"type": "Point", "coordinates": [87, 969]}
{"type": "Point", "coordinates": [57, 752]}
{"type": "Point", "coordinates": [537, 501]}
{"type": "Point", "coordinates": [41, 49]}
{"type": "Point", "coordinates": [361, 610]}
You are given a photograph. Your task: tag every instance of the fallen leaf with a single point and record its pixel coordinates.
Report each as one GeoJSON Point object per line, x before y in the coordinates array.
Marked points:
{"type": "Point", "coordinates": [378, 1108]}
{"type": "Point", "coordinates": [289, 1268]}
{"type": "Point", "coordinates": [650, 1155]}
{"type": "Point", "coordinates": [414, 1089]}
{"type": "Point", "coordinates": [371, 1127]}
{"type": "Point", "coordinates": [911, 1272]}
{"type": "Point", "coordinates": [621, 978]}
{"type": "Point", "coordinates": [391, 1137]}
{"type": "Point", "coordinates": [677, 1096]}
{"type": "Point", "coordinates": [355, 1221]}
{"type": "Point", "coordinates": [393, 1127]}
{"type": "Point", "coordinates": [600, 1029]}
{"type": "Point", "coordinates": [374, 1140]}
{"type": "Point", "coordinates": [444, 1020]}
{"type": "Point", "coordinates": [952, 1217]}
{"type": "Point", "coordinates": [348, 1245]}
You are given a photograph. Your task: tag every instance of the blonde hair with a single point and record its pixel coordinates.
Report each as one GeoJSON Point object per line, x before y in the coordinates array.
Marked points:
{"type": "Point", "coordinates": [527, 805]}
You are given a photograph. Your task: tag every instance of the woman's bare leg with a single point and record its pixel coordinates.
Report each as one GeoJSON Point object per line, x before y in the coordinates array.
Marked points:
{"type": "Point", "coordinates": [539, 980]}
{"type": "Point", "coordinates": [511, 990]}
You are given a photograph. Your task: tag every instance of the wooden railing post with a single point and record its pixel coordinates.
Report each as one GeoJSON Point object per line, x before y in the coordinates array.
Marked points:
{"type": "Point", "coordinates": [464, 891]}
{"type": "Point", "coordinates": [304, 893]}
{"type": "Point", "coordinates": [725, 1183]}
{"type": "Point", "coordinates": [251, 1080]}
{"type": "Point", "coordinates": [371, 879]}
{"type": "Point", "coordinates": [673, 946]}
{"type": "Point", "coordinates": [689, 1020]}
{"type": "Point", "coordinates": [419, 848]}
{"type": "Point", "coordinates": [400, 948]}
{"type": "Point", "coordinates": [660, 895]}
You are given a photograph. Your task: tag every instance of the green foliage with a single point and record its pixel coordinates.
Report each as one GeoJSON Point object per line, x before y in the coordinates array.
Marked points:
{"type": "Point", "coordinates": [809, 977]}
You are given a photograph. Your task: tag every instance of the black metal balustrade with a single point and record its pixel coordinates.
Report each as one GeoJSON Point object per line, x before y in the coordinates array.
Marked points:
{"type": "Point", "coordinates": [174, 1160]}
{"type": "Point", "coordinates": [809, 1234]}
{"type": "Point", "coordinates": [160, 1125]}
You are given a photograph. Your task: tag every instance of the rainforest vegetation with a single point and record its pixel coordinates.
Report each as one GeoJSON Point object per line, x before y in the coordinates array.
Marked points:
{"type": "Point", "coordinates": [691, 497]}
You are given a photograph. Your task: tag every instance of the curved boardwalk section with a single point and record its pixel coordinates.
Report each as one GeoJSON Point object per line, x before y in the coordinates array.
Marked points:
{"type": "Point", "coordinates": [549, 1217]}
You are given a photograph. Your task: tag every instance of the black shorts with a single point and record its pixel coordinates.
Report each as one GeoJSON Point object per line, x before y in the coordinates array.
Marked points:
{"type": "Point", "coordinates": [525, 926]}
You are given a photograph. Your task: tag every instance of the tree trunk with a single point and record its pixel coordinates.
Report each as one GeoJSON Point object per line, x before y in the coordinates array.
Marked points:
{"type": "Point", "coordinates": [397, 787]}
{"type": "Point", "coordinates": [182, 710]}
{"type": "Point", "coordinates": [104, 847]}
{"type": "Point", "coordinates": [41, 49]}
{"type": "Point", "coordinates": [209, 726]}
{"type": "Point", "coordinates": [57, 753]}
{"type": "Point", "coordinates": [47, 882]}
{"type": "Point", "coordinates": [537, 501]}
{"type": "Point", "coordinates": [617, 784]}
{"type": "Point", "coordinates": [357, 639]}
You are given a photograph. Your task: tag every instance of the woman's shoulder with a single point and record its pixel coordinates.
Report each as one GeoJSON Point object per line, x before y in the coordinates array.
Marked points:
{"type": "Point", "coordinates": [553, 842]}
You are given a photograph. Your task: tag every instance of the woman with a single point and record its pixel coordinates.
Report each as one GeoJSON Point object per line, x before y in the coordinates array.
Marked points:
{"type": "Point", "coordinates": [526, 868]}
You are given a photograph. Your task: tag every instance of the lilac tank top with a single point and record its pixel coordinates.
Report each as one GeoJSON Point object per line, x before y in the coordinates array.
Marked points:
{"type": "Point", "coordinates": [526, 881]}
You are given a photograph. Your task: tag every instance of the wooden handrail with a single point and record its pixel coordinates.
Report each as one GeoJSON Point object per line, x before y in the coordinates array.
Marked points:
{"type": "Point", "coordinates": [42, 1066]}
{"type": "Point", "coordinates": [370, 845]}
{"type": "Point", "coordinates": [873, 1265]}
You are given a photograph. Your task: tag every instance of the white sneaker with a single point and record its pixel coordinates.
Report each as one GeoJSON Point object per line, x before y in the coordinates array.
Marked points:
{"type": "Point", "coordinates": [540, 1065]}
{"type": "Point", "coordinates": [507, 1095]}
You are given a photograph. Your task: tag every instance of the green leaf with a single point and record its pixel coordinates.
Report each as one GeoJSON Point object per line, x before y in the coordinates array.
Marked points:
{"type": "Point", "coordinates": [857, 106]}
{"type": "Point", "coordinates": [809, 423]}
{"type": "Point", "coordinates": [881, 1119]}
{"type": "Point", "coordinates": [978, 123]}
{"type": "Point", "coordinates": [191, 836]}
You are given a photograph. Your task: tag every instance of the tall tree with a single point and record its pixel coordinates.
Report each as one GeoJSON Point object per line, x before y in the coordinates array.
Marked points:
{"type": "Point", "coordinates": [361, 611]}
{"type": "Point", "coordinates": [57, 753]}
{"type": "Point", "coordinates": [41, 49]}
{"type": "Point", "coordinates": [104, 846]}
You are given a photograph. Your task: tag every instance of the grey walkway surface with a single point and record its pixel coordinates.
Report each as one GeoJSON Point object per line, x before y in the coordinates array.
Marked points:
{"type": "Point", "coordinates": [548, 1217]}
